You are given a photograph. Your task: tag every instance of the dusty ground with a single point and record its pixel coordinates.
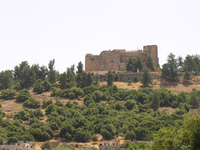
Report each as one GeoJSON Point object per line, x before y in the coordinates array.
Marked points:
{"type": "Point", "coordinates": [175, 87]}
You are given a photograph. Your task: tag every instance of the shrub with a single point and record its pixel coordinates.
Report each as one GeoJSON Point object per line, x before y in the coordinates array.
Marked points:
{"type": "Point", "coordinates": [106, 135]}
{"type": "Point", "coordinates": [22, 114]}
{"type": "Point", "coordinates": [23, 95]}
{"type": "Point", "coordinates": [17, 86]}
{"type": "Point", "coordinates": [38, 113]}
{"type": "Point", "coordinates": [12, 140]}
{"type": "Point", "coordinates": [49, 108]}
{"type": "Point", "coordinates": [88, 99]}
{"type": "Point", "coordinates": [34, 120]}
{"type": "Point", "coordinates": [129, 82]}
{"type": "Point", "coordinates": [46, 84]}
{"type": "Point", "coordinates": [97, 96]}
{"type": "Point", "coordinates": [187, 76]}
{"type": "Point", "coordinates": [54, 126]}
{"type": "Point", "coordinates": [32, 103]}
{"type": "Point", "coordinates": [58, 102]}
{"type": "Point", "coordinates": [130, 104]}
{"type": "Point", "coordinates": [46, 145]}
{"type": "Point", "coordinates": [71, 95]}
{"type": "Point", "coordinates": [77, 91]}
{"type": "Point", "coordinates": [38, 87]}
{"type": "Point", "coordinates": [94, 138]}
{"type": "Point", "coordinates": [5, 94]}
{"type": "Point", "coordinates": [53, 91]}
{"type": "Point", "coordinates": [59, 92]}
{"type": "Point", "coordinates": [130, 135]}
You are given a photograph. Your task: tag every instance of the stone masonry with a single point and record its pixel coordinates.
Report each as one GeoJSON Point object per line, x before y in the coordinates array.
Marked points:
{"type": "Point", "coordinates": [117, 59]}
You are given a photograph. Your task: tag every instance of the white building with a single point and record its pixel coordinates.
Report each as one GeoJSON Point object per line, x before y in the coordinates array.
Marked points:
{"type": "Point", "coordinates": [20, 145]}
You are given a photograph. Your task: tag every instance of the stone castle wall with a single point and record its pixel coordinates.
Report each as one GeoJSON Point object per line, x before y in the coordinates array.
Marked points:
{"type": "Point", "coordinates": [117, 59]}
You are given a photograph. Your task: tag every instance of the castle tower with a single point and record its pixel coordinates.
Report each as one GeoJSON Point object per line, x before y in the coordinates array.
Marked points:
{"type": "Point", "coordinates": [152, 50]}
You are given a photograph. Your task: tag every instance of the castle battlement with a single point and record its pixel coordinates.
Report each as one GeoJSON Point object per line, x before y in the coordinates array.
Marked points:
{"type": "Point", "coordinates": [117, 58]}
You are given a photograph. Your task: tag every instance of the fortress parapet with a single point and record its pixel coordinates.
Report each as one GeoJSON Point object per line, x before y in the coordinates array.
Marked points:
{"type": "Point", "coordinates": [116, 59]}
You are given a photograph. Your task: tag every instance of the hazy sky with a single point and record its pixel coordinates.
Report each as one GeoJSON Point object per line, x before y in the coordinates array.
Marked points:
{"type": "Point", "coordinates": [65, 30]}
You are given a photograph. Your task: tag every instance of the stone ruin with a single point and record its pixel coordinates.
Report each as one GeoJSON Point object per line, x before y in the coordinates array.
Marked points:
{"type": "Point", "coordinates": [116, 59]}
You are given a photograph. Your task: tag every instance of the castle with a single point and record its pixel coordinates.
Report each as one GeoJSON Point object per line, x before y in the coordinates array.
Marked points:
{"type": "Point", "coordinates": [117, 59]}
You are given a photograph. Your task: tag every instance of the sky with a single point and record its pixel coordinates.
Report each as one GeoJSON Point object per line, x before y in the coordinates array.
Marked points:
{"type": "Point", "coordinates": [38, 31]}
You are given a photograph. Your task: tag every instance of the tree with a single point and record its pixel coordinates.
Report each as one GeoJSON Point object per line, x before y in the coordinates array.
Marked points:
{"type": "Point", "coordinates": [94, 138]}
{"type": "Point", "coordinates": [22, 114]}
{"type": "Point", "coordinates": [46, 145]}
{"type": "Point", "coordinates": [71, 77]}
{"type": "Point", "coordinates": [52, 72]}
{"type": "Point", "coordinates": [89, 79]}
{"type": "Point", "coordinates": [180, 61]}
{"type": "Point", "coordinates": [83, 82]}
{"type": "Point", "coordinates": [43, 72]}
{"type": "Point", "coordinates": [96, 79]}
{"type": "Point", "coordinates": [12, 140]}
{"type": "Point", "coordinates": [46, 84]}
{"type": "Point", "coordinates": [97, 96]}
{"type": "Point", "coordinates": [82, 135]}
{"type": "Point", "coordinates": [187, 76]}
{"type": "Point", "coordinates": [63, 81]}
{"type": "Point", "coordinates": [106, 135]}
{"type": "Point", "coordinates": [146, 78]}
{"type": "Point", "coordinates": [38, 87]}
{"type": "Point", "coordinates": [130, 135]}
{"type": "Point", "coordinates": [194, 100]}
{"type": "Point", "coordinates": [169, 70]}
{"type": "Point", "coordinates": [149, 63]}
{"type": "Point", "coordinates": [133, 64]}
{"type": "Point", "coordinates": [119, 106]}
{"type": "Point", "coordinates": [66, 128]}
{"type": "Point", "coordinates": [6, 79]}
{"type": "Point", "coordinates": [130, 104]}
{"type": "Point", "coordinates": [110, 78]}
{"type": "Point", "coordinates": [17, 86]}
{"type": "Point", "coordinates": [24, 75]}
{"type": "Point", "coordinates": [79, 68]}
{"type": "Point", "coordinates": [58, 102]}
{"type": "Point", "coordinates": [39, 134]}
{"type": "Point", "coordinates": [11, 93]}
{"type": "Point", "coordinates": [189, 63]}
{"type": "Point", "coordinates": [139, 64]}
{"type": "Point", "coordinates": [155, 103]}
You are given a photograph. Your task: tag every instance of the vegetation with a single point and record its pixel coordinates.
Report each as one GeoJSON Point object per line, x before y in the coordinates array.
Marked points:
{"type": "Point", "coordinates": [146, 79]}
{"type": "Point", "coordinates": [133, 64]}
{"type": "Point", "coordinates": [149, 64]}
{"type": "Point", "coordinates": [46, 145]}
{"type": "Point", "coordinates": [110, 78]}
{"type": "Point", "coordinates": [107, 109]}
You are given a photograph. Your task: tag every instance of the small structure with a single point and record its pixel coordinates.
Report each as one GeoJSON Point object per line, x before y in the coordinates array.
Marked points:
{"type": "Point", "coordinates": [105, 145]}
{"type": "Point", "coordinates": [20, 145]}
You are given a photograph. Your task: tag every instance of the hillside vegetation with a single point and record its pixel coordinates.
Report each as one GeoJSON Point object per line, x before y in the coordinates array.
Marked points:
{"type": "Point", "coordinates": [40, 104]}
